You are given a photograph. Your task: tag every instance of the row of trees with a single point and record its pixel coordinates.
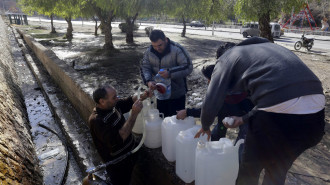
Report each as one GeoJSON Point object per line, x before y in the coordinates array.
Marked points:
{"type": "Point", "coordinates": [128, 10]}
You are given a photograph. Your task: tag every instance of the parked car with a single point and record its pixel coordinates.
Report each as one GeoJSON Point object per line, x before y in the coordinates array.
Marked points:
{"type": "Point", "coordinates": [196, 24]}
{"type": "Point", "coordinates": [275, 29]}
{"type": "Point", "coordinates": [250, 29]}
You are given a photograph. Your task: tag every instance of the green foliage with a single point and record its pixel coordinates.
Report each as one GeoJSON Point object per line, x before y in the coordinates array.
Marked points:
{"type": "Point", "coordinates": [128, 8]}
{"type": "Point", "coordinates": [194, 9]}
{"type": "Point", "coordinates": [251, 10]}
{"type": "Point", "coordinates": [205, 10]}
{"type": "Point", "coordinates": [68, 8]}
{"type": "Point", "coordinates": [104, 9]}
{"type": "Point", "coordinates": [86, 9]}
{"type": "Point", "coordinates": [40, 6]}
{"type": "Point", "coordinates": [62, 8]}
{"type": "Point", "coordinates": [219, 10]}
{"type": "Point", "coordinates": [106, 5]}
{"type": "Point", "coordinates": [152, 7]}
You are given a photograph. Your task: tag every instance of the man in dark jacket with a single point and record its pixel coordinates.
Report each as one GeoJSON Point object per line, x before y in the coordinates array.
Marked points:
{"type": "Point", "coordinates": [176, 63]}
{"type": "Point", "coordinates": [112, 134]}
{"type": "Point", "coordinates": [236, 104]}
{"type": "Point", "coordinates": [288, 116]}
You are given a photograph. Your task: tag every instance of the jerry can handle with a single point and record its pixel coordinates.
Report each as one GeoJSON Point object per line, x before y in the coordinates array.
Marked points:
{"type": "Point", "coordinates": [239, 142]}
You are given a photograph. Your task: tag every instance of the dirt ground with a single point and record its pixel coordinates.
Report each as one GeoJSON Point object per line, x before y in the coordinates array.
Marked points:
{"type": "Point", "coordinates": [122, 71]}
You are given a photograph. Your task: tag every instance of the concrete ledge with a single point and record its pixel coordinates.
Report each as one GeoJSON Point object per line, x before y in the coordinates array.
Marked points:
{"type": "Point", "coordinates": [74, 128]}
{"type": "Point", "coordinates": [64, 76]}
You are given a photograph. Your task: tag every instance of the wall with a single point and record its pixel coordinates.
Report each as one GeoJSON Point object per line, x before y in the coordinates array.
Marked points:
{"type": "Point", "coordinates": [18, 161]}
{"type": "Point", "coordinates": [65, 77]}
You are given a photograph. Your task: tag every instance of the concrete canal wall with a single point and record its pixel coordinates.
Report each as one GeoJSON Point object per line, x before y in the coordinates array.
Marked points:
{"type": "Point", "coordinates": [65, 77]}
{"type": "Point", "coordinates": [18, 161]}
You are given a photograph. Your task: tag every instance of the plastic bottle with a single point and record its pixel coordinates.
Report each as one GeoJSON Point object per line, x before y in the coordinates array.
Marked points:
{"type": "Point", "coordinates": [170, 129]}
{"type": "Point", "coordinates": [153, 129]}
{"type": "Point", "coordinates": [185, 149]}
{"type": "Point", "coordinates": [228, 120]}
{"type": "Point", "coordinates": [163, 91]}
{"type": "Point", "coordinates": [139, 123]}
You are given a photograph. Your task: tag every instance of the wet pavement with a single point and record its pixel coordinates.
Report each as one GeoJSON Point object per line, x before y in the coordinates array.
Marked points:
{"type": "Point", "coordinates": [55, 161]}
{"type": "Point", "coordinates": [85, 55]}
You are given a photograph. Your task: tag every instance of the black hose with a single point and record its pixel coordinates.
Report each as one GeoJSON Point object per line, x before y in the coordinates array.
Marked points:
{"type": "Point", "coordinates": [65, 172]}
{"type": "Point", "coordinates": [120, 158]}
{"type": "Point", "coordinates": [102, 166]}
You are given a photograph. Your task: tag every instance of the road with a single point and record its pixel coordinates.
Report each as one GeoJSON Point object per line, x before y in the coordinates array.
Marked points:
{"type": "Point", "coordinates": [321, 44]}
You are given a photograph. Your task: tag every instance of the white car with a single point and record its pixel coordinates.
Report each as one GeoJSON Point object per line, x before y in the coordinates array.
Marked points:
{"type": "Point", "coordinates": [275, 29]}
{"type": "Point", "coordinates": [250, 29]}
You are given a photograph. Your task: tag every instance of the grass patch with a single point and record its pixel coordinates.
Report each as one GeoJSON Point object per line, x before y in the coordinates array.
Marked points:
{"type": "Point", "coordinates": [43, 34]}
{"type": "Point", "coordinates": [37, 31]}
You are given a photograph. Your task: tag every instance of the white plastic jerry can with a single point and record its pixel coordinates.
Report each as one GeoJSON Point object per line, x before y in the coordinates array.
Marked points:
{"type": "Point", "coordinates": [185, 148]}
{"type": "Point", "coordinates": [139, 123]}
{"type": "Point", "coordinates": [216, 162]}
{"type": "Point", "coordinates": [170, 129]}
{"type": "Point", "coordinates": [153, 129]}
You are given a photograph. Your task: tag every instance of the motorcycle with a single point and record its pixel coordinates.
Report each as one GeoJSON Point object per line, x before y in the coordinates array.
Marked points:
{"type": "Point", "coordinates": [304, 42]}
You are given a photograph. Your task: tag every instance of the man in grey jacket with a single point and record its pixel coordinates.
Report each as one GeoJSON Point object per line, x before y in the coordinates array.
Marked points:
{"type": "Point", "coordinates": [289, 114]}
{"type": "Point", "coordinates": [175, 60]}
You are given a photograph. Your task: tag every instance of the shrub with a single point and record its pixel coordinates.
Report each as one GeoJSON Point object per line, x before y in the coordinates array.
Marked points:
{"type": "Point", "coordinates": [123, 27]}
{"type": "Point", "coordinates": [148, 30]}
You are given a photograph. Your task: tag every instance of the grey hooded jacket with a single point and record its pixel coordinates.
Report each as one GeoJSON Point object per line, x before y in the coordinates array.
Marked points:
{"type": "Point", "coordinates": [177, 61]}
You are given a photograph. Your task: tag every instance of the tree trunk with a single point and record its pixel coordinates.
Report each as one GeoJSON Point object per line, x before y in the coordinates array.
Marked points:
{"type": "Point", "coordinates": [130, 28]}
{"type": "Point", "coordinates": [264, 20]}
{"type": "Point", "coordinates": [52, 24]}
{"type": "Point", "coordinates": [108, 45]}
{"type": "Point", "coordinates": [96, 27]}
{"type": "Point", "coordinates": [106, 19]}
{"type": "Point", "coordinates": [183, 34]}
{"type": "Point", "coordinates": [69, 30]}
